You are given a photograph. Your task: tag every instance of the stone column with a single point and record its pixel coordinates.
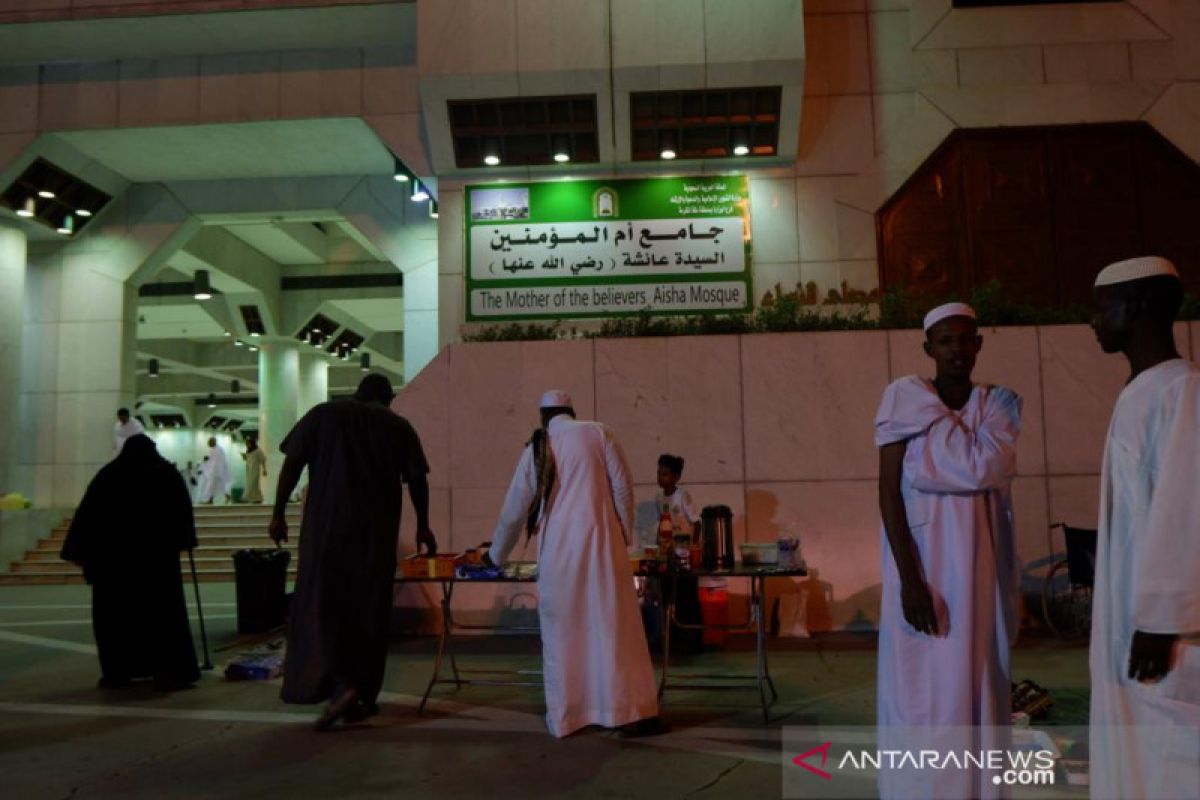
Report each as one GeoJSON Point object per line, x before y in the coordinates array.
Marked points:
{"type": "Point", "coordinates": [278, 402]}
{"type": "Point", "coordinates": [12, 321]}
{"type": "Point", "coordinates": [314, 381]}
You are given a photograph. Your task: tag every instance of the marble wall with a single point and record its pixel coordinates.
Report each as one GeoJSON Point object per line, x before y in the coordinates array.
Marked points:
{"type": "Point", "coordinates": [885, 81]}
{"type": "Point", "coordinates": [776, 426]}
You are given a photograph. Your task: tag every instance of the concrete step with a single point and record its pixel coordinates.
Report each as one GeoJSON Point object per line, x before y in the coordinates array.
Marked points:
{"type": "Point", "coordinates": [240, 515]}
{"type": "Point", "coordinates": [49, 561]}
{"type": "Point", "coordinates": [264, 509]}
{"type": "Point", "coordinates": [231, 525]}
{"type": "Point", "coordinates": [202, 551]}
{"type": "Point", "coordinates": [36, 578]}
{"type": "Point", "coordinates": [238, 540]}
{"type": "Point", "coordinates": [69, 579]}
{"type": "Point", "coordinates": [56, 567]}
{"type": "Point", "coordinates": [242, 535]}
{"type": "Point", "coordinates": [220, 531]}
{"type": "Point", "coordinates": [210, 568]}
{"type": "Point", "coordinates": [250, 528]}
{"type": "Point", "coordinates": [49, 554]}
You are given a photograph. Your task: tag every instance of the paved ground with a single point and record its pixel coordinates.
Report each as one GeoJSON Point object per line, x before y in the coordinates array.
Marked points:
{"type": "Point", "coordinates": [60, 737]}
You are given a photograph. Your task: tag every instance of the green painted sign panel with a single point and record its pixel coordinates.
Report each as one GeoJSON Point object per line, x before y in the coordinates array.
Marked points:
{"type": "Point", "coordinates": [577, 249]}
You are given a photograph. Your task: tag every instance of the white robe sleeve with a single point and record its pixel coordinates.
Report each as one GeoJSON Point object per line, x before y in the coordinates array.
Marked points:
{"type": "Point", "coordinates": [688, 507]}
{"type": "Point", "coordinates": [1166, 582]}
{"type": "Point", "coordinates": [515, 511]}
{"type": "Point", "coordinates": [907, 409]}
{"type": "Point", "coordinates": [961, 456]}
{"type": "Point", "coordinates": [622, 486]}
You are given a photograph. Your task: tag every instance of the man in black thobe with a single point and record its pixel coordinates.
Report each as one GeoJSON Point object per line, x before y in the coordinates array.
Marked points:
{"type": "Point", "coordinates": [357, 453]}
{"type": "Point", "coordinates": [127, 534]}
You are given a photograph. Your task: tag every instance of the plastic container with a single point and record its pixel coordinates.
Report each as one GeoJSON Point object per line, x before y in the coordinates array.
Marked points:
{"type": "Point", "coordinates": [714, 610]}
{"type": "Point", "coordinates": [755, 554]}
{"type": "Point", "coordinates": [419, 566]}
{"type": "Point", "coordinates": [261, 588]}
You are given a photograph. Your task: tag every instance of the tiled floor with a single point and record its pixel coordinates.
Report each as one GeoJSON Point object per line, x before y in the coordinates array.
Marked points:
{"type": "Point", "coordinates": [61, 737]}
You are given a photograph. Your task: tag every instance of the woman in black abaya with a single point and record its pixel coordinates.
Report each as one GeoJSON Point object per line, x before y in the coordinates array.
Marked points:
{"type": "Point", "coordinates": [127, 534]}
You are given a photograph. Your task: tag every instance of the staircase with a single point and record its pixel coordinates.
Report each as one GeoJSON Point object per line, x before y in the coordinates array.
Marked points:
{"type": "Point", "coordinates": [221, 530]}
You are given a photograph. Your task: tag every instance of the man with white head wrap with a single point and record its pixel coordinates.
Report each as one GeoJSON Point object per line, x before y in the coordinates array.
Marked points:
{"type": "Point", "coordinates": [214, 477]}
{"type": "Point", "coordinates": [572, 485]}
{"type": "Point", "coordinates": [1145, 653]}
{"type": "Point", "coordinates": [947, 454]}
{"type": "Point", "coordinates": [124, 428]}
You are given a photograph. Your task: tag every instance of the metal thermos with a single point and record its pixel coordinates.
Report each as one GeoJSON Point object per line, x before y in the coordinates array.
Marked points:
{"type": "Point", "coordinates": [717, 536]}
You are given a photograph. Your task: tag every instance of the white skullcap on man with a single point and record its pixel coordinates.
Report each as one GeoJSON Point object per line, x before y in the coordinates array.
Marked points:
{"type": "Point", "coordinates": [1132, 269]}
{"type": "Point", "coordinates": [556, 398]}
{"type": "Point", "coordinates": [947, 310]}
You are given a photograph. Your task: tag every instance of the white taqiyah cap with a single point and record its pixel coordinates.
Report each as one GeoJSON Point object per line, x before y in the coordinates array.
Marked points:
{"type": "Point", "coordinates": [1131, 269]}
{"type": "Point", "coordinates": [948, 310]}
{"type": "Point", "coordinates": [556, 398]}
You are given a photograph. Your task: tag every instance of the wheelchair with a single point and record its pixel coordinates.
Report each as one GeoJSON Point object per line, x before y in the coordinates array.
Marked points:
{"type": "Point", "coordinates": [1067, 589]}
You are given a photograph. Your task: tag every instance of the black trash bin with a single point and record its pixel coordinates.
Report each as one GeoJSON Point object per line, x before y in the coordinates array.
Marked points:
{"type": "Point", "coordinates": [261, 589]}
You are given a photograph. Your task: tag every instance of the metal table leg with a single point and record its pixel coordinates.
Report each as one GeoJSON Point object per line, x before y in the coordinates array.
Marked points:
{"type": "Point", "coordinates": [668, 612]}
{"type": "Point", "coordinates": [443, 638]}
{"type": "Point", "coordinates": [762, 672]}
{"type": "Point", "coordinates": [448, 615]}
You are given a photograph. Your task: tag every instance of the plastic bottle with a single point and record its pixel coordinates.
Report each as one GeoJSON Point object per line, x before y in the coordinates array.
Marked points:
{"type": "Point", "coordinates": [666, 537]}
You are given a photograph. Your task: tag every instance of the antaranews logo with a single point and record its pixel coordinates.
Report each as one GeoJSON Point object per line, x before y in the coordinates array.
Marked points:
{"type": "Point", "coordinates": [802, 760]}
{"type": "Point", "coordinates": [861, 761]}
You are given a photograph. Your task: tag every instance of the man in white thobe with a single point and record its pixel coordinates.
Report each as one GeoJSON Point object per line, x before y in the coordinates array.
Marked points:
{"type": "Point", "coordinates": [595, 662]}
{"type": "Point", "coordinates": [214, 476]}
{"type": "Point", "coordinates": [1145, 651]}
{"type": "Point", "coordinates": [124, 428]}
{"type": "Point", "coordinates": [950, 572]}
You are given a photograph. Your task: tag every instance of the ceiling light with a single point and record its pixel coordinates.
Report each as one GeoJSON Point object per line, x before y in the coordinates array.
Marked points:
{"type": "Point", "coordinates": [46, 193]}
{"type": "Point", "coordinates": [364, 362]}
{"type": "Point", "coordinates": [212, 400]}
{"type": "Point", "coordinates": [400, 173]}
{"type": "Point", "coordinates": [741, 141]}
{"type": "Point", "coordinates": [255, 334]}
{"type": "Point", "coordinates": [238, 343]}
{"type": "Point", "coordinates": [491, 152]}
{"type": "Point", "coordinates": [418, 192]}
{"type": "Point", "coordinates": [666, 144]}
{"type": "Point", "coordinates": [29, 209]}
{"type": "Point", "coordinates": [227, 333]}
{"type": "Point", "coordinates": [152, 368]}
{"type": "Point", "coordinates": [253, 349]}
{"type": "Point", "coordinates": [67, 226]}
{"type": "Point", "coordinates": [201, 289]}
{"type": "Point", "coordinates": [562, 149]}
{"type": "Point", "coordinates": [83, 212]}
